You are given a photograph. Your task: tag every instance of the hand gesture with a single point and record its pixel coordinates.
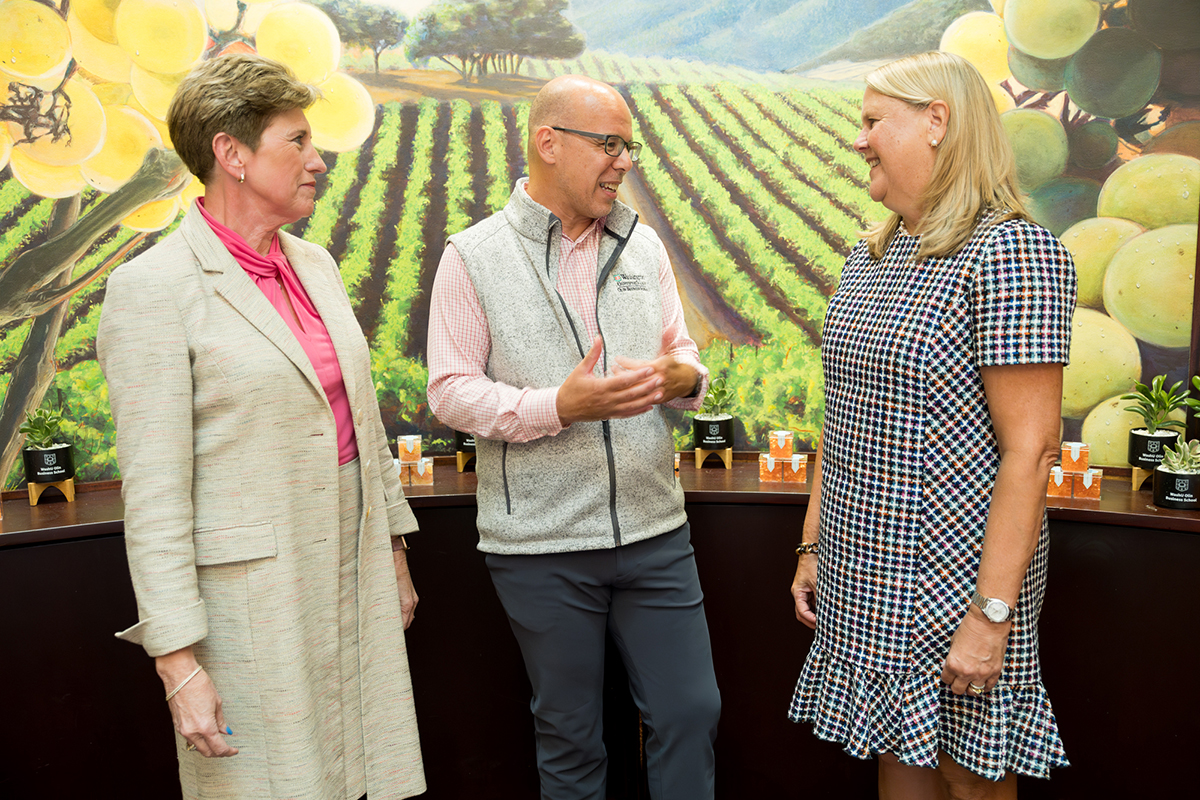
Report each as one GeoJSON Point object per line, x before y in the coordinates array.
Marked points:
{"type": "Point", "coordinates": [583, 397]}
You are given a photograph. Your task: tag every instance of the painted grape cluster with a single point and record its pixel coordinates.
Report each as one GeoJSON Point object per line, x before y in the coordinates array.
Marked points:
{"type": "Point", "coordinates": [1099, 101]}
{"type": "Point", "coordinates": [86, 93]}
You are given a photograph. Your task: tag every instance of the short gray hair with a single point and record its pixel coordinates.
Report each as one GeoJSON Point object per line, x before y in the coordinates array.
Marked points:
{"type": "Point", "coordinates": [238, 94]}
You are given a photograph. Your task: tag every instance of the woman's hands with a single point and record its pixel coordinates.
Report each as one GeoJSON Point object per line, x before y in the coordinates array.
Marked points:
{"type": "Point", "coordinates": [196, 708]}
{"type": "Point", "coordinates": [804, 590]}
{"type": "Point", "coordinates": [408, 593]}
{"type": "Point", "coordinates": [976, 653]}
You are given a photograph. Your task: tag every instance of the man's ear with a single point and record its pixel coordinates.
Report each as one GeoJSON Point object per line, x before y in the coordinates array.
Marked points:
{"type": "Point", "coordinates": [545, 140]}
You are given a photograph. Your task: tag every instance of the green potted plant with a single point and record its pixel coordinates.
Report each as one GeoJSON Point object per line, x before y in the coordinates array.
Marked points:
{"type": "Point", "coordinates": [1177, 478]}
{"type": "Point", "coordinates": [712, 428]}
{"type": "Point", "coordinates": [1155, 404]}
{"type": "Point", "coordinates": [47, 458]}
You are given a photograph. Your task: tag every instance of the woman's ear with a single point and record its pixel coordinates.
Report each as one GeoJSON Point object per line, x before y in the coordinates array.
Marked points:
{"type": "Point", "coordinates": [939, 119]}
{"type": "Point", "coordinates": [228, 154]}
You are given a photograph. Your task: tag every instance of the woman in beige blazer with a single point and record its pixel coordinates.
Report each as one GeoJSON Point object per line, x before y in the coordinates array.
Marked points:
{"type": "Point", "coordinates": [272, 586]}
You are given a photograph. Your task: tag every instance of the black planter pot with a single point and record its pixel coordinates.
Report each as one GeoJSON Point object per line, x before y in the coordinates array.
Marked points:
{"type": "Point", "coordinates": [1146, 450]}
{"type": "Point", "coordinates": [48, 466]}
{"type": "Point", "coordinates": [464, 442]}
{"type": "Point", "coordinates": [1175, 490]}
{"type": "Point", "coordinates": [713, 432]}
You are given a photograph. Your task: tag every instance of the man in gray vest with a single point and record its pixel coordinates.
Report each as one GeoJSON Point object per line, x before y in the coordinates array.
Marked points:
{"type": "Point", "coordinates": [555, 333]}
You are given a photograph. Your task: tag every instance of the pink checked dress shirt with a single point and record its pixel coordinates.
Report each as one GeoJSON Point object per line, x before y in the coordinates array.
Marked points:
{"type": "Point", "coordinates": [271, 273]}
{"type": "Point", "coordinates": [463, 397]}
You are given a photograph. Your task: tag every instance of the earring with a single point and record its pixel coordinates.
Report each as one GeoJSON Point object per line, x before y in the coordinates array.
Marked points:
{"type": "Point", "coordinates": [933, 142]}
{"type": "Point", "coordinates": [242, 177]}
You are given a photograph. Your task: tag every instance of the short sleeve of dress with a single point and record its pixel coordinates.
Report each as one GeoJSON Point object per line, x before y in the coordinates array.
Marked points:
{"type": "Point", "coordinates": [1023, 297]}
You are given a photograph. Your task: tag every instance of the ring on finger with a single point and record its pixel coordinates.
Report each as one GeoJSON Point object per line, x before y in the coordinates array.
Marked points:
{"type": "Point", "coordinates": [976, 689]}
{"type": "Point", "coordinates": [190, 746]}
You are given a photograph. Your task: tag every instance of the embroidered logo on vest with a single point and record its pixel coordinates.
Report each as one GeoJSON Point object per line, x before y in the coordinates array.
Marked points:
{"type": "Point", "coordinates": [631, 283]}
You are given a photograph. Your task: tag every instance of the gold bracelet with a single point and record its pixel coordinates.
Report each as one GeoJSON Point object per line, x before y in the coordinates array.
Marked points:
{"type": "Point", "coordinates": [183, 683]}
{"type": "Point", "coordinates": [806, 548]}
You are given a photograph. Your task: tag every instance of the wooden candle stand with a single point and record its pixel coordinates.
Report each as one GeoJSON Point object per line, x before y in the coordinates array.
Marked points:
{"type": "Point", "coordinates": [726, 456]}
{"type": "Point", "coordinates": [67, 487]}
{"type": "Point", "coordinates": [1139, 476]}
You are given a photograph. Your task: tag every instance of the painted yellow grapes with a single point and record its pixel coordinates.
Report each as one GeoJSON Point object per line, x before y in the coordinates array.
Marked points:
{"type": "Point", "coordinates": [130, 137]}
{"type": "Point", "coordinates": [1105, 360]}
{"type": "Point", "coordinates": [979, 38]}
{"type": "Point", "coordinates": [302, 37]}
{"type": "Point", "coordinates": [35, 45]}
{"type": "Point", "coordinates": [46, 180]}
{"type": "Point", "coordinates": [85, 129]}
{"type": "Point", "coordinates": [344, 116]}
{"type": "Point", "coordinates": [163, 36]}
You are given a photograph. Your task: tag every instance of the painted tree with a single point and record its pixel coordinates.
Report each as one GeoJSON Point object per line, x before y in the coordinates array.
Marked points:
{"type": "Point", "coordinates": [494, 35]}
{"type": "Point", "coordinates": [375, 27]}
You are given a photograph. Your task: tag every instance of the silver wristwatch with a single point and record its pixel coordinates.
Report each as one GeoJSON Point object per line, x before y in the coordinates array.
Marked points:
{"type": "Point", "coordinates": [993, 608]}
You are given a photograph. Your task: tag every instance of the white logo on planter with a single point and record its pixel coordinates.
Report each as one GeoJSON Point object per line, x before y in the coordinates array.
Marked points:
{"type": "Point", "coordinates": [1152, 446]}
{"type": "Point", "coordinates": [714, 429]}
{"type": "Point", "coordinates": [51, 458]}
{"type": "Point", "coordinates": [1181, 484]}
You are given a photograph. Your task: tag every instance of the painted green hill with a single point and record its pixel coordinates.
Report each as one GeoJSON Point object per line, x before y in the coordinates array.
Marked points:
{"type": "Point", "coordinates": [912, 28]}
{"type": "Point", "coordinates": [764, 35]}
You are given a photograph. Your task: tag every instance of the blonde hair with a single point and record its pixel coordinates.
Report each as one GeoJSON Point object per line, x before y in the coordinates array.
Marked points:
{"type": "Point", "coordinates": [974, 172]}
{"type": "Point", "coordinates": [238, 94]}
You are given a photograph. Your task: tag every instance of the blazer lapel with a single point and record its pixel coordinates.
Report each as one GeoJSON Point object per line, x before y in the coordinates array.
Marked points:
{"type": "Point", "coordinates": [231, 282]}
{"type": "Point", "coordinates": [329, 298]}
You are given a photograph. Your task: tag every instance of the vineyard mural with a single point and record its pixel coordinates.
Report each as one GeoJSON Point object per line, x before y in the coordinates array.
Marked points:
{"type": "Point", "coordinates": [748, 174]}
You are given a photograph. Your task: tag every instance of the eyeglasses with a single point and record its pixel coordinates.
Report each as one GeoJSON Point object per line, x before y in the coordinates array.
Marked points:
{"type": "Point", "coordinates": [613, 145]}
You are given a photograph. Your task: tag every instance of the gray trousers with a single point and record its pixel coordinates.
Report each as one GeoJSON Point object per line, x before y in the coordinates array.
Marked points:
{"type": "Point", "coordinates": [648, 596]}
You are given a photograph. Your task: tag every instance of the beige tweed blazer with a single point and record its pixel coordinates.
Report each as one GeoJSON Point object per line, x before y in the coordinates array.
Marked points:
{"type": "Point", "coordinates": [228, 453]}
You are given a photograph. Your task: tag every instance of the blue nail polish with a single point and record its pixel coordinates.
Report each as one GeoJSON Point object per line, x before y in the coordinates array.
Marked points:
{"type": "Point", "coordinates": [228, 731]}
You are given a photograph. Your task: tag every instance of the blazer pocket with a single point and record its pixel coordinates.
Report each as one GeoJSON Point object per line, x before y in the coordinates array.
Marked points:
{"type": "Point", "coordinates": [234, 543]}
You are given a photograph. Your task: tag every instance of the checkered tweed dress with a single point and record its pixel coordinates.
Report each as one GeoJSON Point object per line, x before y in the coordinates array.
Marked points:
{"type": "Point", "coordinates": [909, 460]}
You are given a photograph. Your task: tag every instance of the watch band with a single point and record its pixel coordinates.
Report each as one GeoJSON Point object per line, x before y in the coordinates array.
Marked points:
{"type": "Point", "coordinates": [991, 605]}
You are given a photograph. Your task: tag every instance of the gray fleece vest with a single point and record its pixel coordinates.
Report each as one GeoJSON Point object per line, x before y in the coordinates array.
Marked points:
{"type": "Point", "coordinates": [595, 485]}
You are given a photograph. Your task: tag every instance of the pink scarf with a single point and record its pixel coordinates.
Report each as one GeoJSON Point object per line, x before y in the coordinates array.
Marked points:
{"type": "Point", "coordinates": [306, 324]}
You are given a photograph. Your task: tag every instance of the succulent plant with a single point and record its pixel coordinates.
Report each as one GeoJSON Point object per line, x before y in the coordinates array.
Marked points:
{"type": "Point", "coordinates": [1183, 458]}
{"type": "Point", "coordinates": [717, 397]}
{"type": "Point", "coordinates": [1155, 403]}
{"type": "Point", "coordinates": [41, 428]}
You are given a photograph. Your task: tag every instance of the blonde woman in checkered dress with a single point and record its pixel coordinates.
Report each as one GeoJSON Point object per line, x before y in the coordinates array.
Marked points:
{"type": "Point", "coordinates": [943, 357]}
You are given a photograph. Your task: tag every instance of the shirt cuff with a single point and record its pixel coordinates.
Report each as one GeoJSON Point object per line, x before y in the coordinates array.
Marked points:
{"type": "Point", "coordinates": [540, 407]}
{"type": "Point", "coordinates": [692, 403]}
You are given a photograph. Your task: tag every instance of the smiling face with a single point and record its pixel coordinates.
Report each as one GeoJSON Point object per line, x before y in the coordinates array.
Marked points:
{"type": "Point", "coordinates": [895, 141]}
{"type": "Point", "coordinates": [281, 175]}
{"type": "Point", "coordinates": [581, 180]}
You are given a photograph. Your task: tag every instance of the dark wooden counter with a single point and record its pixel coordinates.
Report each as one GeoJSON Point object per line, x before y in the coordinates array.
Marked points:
{"type": "Point", "coordinates": [98, 510]}
{"type": "Point", "coordinates": [1117, 644]}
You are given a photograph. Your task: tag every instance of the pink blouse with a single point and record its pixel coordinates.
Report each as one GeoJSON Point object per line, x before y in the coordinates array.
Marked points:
{"type": "Point", "coordinates": [268, 272]}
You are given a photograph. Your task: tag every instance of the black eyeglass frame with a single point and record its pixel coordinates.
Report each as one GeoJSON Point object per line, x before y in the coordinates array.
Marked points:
{"type": "Point", "coordinates": [634, 148]}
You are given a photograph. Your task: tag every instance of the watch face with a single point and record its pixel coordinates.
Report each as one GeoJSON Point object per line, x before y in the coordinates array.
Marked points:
{"type": "Point", "coordinates": [996, 610]}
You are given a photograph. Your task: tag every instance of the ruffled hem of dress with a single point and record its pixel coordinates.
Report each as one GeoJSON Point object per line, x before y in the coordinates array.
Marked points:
{"type": "Point", "coordinates": [913, 716]}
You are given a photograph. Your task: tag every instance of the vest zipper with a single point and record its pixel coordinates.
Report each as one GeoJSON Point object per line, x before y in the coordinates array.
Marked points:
{"type": "Point", "coordinates": [504, 477]}
{"type": "Point", "coordinates": [608, 445]}
{"type": "Point", "coordinates": [604, 424]}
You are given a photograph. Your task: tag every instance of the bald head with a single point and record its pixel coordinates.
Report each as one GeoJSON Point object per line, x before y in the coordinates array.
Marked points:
{"type": "Point", "coordinates": [569, 101]}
